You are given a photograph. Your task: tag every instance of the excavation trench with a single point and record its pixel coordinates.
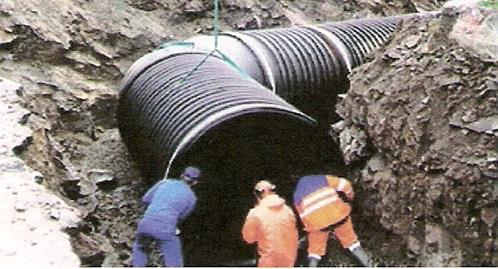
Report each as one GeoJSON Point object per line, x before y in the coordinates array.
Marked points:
{"type": "Point", "coordinates": [68, 75]}
{"type": "Point", "coordinates": [258, 108]}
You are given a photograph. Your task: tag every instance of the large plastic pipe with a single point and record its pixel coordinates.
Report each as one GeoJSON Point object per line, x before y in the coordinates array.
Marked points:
{"type": "Point", "coordinates": [300, 60]}
{"type": "Point", "coordinates": [363, 36]}
{"type": "Point", "coordinates": [161, 116]}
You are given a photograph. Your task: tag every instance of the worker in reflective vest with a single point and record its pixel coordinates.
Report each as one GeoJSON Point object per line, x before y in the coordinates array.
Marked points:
{"type": "Point", "coordinates": [323, 211]}
{"type": "Point", "coordinates": [272, 225]}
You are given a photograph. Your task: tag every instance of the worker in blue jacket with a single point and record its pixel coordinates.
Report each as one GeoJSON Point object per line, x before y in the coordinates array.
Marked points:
{"type": "Point", "coordinates": [169, 201]}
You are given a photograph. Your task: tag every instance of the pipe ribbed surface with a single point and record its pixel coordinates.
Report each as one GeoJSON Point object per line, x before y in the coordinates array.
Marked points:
{"type": "Point", "coordinates": [161, 116]}
{"type": "Point", "coordinates": [363, 36]}
{"type": "Point", "coordinates": [292, 61]}
{"type": "Point", "coordinates": [301, 61]}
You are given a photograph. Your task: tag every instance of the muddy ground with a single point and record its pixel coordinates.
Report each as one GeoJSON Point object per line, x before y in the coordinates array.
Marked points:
{"type": "Point", "coordinates": [419, 130]}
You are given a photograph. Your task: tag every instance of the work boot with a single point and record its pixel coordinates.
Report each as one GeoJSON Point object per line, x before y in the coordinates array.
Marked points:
{"type": "Point", "coordinates": [313, 262]}
{"type": "Point", "coordinates": [362, 256]}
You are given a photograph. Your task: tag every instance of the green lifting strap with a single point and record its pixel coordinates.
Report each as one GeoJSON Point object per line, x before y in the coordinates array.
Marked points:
{"type": "Point", "coordinates": [173, 44]}
{"type": "Point", "coordinates": [216, 33]}
{"type": "Point", "coordinates": [216, 22]}
{"type": "Point", "coordinates": [215, 51]}
{"type": "Point", "coordinates": [234, 65]}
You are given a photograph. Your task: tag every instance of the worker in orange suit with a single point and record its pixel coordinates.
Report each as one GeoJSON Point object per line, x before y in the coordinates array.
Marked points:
{"type": "Point", "coordinates": [272, 225]}
{"type": "Point", "coordinates": [322, 211]}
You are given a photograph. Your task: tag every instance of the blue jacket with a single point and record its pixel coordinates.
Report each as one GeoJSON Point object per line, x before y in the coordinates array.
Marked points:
{"type": "Point", "coordinates": [169, 201]}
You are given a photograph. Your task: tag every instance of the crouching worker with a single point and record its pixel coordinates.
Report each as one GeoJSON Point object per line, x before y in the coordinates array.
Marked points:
{"type": "Point", "coordinates": [169, 201]}
{"type": "Point", "coordinates": [272, 225]}
{"type": "Point", "coordinates": [323, 211]}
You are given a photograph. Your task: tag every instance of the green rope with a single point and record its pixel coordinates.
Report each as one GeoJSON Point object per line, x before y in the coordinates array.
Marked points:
{"type": "Point", "coordinates": [216, 23]}
{"type": "Point", "coordinates": [216, 26]}
{"type": "Point", "coordinates": [197, 66]}
{"type": "Point", "coordinates": [175, 44]}
{"type": "Point", "coordinates": [216, 33]}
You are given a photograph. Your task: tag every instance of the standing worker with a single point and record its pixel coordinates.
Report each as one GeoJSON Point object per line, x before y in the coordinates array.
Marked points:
{"type": "Point", "coordinates": [323, 211]}
{"type": "Point", "coordinates": [272, 225]}
{"type": "Point", "coordinates": [169, 201]}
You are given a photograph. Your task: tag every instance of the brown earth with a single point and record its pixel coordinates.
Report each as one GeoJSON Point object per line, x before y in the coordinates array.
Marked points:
{"type": "Point", "coordinates": [426, 113]}
{"type": "Point", "coordinates": [69, 57]}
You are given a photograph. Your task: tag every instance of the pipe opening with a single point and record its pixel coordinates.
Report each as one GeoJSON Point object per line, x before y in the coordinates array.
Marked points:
{"type": "Point", "coordinates": [233, 157]}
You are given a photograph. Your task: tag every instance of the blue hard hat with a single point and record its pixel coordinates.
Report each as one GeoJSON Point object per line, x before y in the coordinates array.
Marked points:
{"type": "Point", "coordinates": [192, 173]}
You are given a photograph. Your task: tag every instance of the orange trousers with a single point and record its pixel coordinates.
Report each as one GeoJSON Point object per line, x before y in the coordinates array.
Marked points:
{"type": "Point", "coordinates": [317, 240]}
{"type": "Point", "coordinates": [276, 260]}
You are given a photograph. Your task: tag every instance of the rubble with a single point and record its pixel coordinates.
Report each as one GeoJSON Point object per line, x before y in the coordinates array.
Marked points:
{"type": "Point", "coordinates": [30, 238]}
{"type": "Point", "coordinates": [484, 125]}
{"type": "Point", "coordinates": [428, 109]}
{"type": "Point", "coordinates": [352, 141]}
{"type": "Point", "coordinates": [102, 177]}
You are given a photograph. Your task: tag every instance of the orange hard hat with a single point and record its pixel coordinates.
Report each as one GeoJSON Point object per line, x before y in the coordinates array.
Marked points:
{"type": "Point", "coordinates": [264, 185]}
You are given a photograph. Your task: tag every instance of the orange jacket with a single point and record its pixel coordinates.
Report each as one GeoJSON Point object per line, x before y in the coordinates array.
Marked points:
{"type": "Point", "coordinates": [272, 225]}
{"type": "Point", "coordinates": [318, 203]}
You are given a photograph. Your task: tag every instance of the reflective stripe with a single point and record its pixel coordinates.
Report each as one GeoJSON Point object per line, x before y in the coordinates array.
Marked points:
{"type": "Point", "coordinates": [318, 205]}
{"type": "Point", "coordinates": [342, 184]}
{"type": "Point", "coordinates": [354, 246]}
{"type": "Point", "coordinates": [319, 195]}
{"type": "Point", "coordinates": [316, 256]}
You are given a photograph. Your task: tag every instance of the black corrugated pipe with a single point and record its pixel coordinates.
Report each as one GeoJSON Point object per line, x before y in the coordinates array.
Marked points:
{"type": "Point", "coordinates": [299, 60]}
{"type": "Point", "coordinates": [243, 118]}
{"type": "Point", "coordinates": [161, 116]}
{"type": "Point", "coordinates": [362, 36]}
{"type": "Point", "coordinates": [289, 61]}
{"type": "Point", "coordinates": [307, 66]}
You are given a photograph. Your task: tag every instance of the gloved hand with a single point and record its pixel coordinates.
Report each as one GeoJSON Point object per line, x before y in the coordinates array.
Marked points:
{"type": "Point", "coordinates": [350, 195]}
{"type": "Point", "coordinates": [346, 197]}
{"type": "Point", "coordinates": [177, 232]}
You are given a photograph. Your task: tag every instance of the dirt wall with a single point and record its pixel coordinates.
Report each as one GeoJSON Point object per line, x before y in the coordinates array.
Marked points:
{"type": "Point", "coordinates": [425, 113]}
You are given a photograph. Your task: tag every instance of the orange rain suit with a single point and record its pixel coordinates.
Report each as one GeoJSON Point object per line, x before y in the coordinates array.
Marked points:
{"type": "Point", "coordinates": [272, 225]}
{"type": "Point", "coordinates": [319, 206]}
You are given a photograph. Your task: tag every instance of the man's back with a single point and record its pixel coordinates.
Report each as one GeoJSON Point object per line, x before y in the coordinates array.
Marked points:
{"type": "Point", "coordinates": [169, 201]}
{"type": "Point", "coordinates": [307, 185]}
{"type": "Point", "coordinates": [273, 225]}
{"type": "Point", "coordinates": [318, 203]}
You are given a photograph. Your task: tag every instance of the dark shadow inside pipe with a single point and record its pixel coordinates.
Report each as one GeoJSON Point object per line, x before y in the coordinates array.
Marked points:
{"type": "Point", "coordinates": [233, 157]}
{"type": "Point", "coordinates": [320, 106]}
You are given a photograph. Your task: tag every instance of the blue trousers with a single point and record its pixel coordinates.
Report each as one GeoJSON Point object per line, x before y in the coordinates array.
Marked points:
{"type": "Point", "coordinates": [171, 251]}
